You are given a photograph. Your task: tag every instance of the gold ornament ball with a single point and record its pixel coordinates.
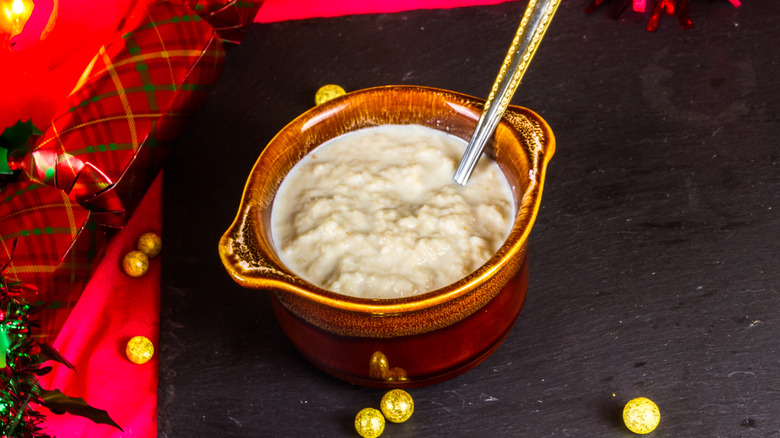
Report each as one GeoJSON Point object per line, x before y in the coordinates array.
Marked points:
{"type": "Point", "coordinates": [150, 244]}
{"type": "Point", "coordinates": [641, 415]}
{"type": "Point", "coordinates": [397, 406]}
{"type": "Point", "coordinates": [139, 350]}
{"type": "Point", "coordinates": [369, 423]}
{"type": "Point", "coordinates": [135, 263]}
{"type": "Point", "coordinates": [328, 92]}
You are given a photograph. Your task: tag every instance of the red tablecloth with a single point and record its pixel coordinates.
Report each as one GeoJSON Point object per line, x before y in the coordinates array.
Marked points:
{"type": "Point", "coordinates": [113, 308]}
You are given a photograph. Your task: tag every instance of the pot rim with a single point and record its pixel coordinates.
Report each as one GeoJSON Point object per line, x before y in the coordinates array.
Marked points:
{"type": "Point", "coordinates": [259, 271]}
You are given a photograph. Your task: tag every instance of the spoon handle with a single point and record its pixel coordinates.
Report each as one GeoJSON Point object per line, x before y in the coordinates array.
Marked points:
{"type": "Point", "coordinates": [537, 17]}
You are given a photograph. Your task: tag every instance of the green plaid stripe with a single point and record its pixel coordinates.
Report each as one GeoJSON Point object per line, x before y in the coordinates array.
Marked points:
{"type": "Point", "coordinates": [36, 232]}
{"type": "Point", "coordinates": [148, 88]}
{"type": "Point", "coordinates": [103, 148]}
{"type": "Point", "coordinates": [143, 73]}
{"type": "Point", "coordinates": [20, 192]}
{"type": "Point", "coordinates": [152, 24]}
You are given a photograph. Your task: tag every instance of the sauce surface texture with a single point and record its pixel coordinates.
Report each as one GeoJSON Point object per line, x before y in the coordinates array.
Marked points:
{"type": "Point", "coordinates": [375, 213]}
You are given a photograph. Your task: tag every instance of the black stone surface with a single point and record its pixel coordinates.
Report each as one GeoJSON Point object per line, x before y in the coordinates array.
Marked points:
{"type": "Point", "coordinates": [654, 260]}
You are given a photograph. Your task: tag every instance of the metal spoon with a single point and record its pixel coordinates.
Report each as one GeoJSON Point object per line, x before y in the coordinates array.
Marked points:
{"type": "Point", "coordinates": [536, 19]}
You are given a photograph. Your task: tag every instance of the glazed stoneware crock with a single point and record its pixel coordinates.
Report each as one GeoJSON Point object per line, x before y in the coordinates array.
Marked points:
{"type": "Point", "coordinates": [404, 342]}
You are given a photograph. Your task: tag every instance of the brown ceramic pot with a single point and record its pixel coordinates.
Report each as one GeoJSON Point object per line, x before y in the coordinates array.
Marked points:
{"type": "Point", "coordinates": [410, 341]}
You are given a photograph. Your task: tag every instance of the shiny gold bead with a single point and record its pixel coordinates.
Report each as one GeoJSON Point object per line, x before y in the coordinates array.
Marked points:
{"type": "Point", "coordinates": [378, 366]}
{"type": "Point", "coordinates": [369, 423]}
{"type": "Point", "coordinates": [328, 92]}
{"type": "Point", "coordinates": [150, 244]}
{"type": "Point", "coordinates": [135, 263]}
{"type": "Point", "coordinates": [641, 415]}
{"type": "Point", "coordinates": [397, 374]}
{"type": "Point", "coordinates": [139, 350]}
{"type": "Point", "coordinates": [397, 406]}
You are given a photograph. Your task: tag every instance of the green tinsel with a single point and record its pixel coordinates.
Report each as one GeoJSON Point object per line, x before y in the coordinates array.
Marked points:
{"type": "Point", "coordinates": [19, 366]}
{"type": "Point", "coordinates": [21, 362]}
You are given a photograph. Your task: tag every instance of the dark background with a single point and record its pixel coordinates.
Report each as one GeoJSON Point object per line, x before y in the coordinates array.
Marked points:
{"type": "Point", "coordinates": [654, 259]}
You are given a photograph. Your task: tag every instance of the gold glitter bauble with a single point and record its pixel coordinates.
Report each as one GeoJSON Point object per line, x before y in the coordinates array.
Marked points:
{"type": "Point", "coordinates": [369, 423]}
{"type": "Point", "coordinates": [641, 415]}
{"type": "Point", "coordinates": [150, 244]}
{"type": "Point", "coordinates": [135, 263]}
{"type": "Point", "coordinates": [139, 350]}
{"type": "Point", "coordinates": [328, 92]}
{"type": "Point", "coordinates": [397, 406]}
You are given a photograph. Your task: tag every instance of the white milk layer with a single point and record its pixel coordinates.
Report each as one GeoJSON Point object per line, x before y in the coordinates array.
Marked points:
{"type": "Point", "coordinates": [375, 213]}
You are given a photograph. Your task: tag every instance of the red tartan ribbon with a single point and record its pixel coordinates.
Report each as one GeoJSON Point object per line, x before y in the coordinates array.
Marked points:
{"type": "Point", "coordinates": [113, 133]}
{"type": "Point", "coordinates": [58, 243]}
{"type": "Point", "coordinates": [229, 18]}
{"type": "Point", "coordinates": [107, 144]}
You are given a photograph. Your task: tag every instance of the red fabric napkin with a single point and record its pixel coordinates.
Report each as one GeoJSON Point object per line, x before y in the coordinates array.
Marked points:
{"type": "Point", "coordinates": [113, 308]}
{"type": "Point", "coordinates": [280, 10]}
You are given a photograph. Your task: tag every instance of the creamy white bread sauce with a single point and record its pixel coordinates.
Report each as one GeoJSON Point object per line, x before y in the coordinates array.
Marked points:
{"type": "Point", "coordinates": [375, 213]}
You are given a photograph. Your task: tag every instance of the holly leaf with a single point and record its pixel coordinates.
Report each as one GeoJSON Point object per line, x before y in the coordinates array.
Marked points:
{"type": "Point", "coordinates": [50, 353]}
{"type": "Point", "coordinates": [14, 142]}
{"type": "Point", "coordinates": [60, 403]}
{"type": "Point", "coordinates": [15, 137]}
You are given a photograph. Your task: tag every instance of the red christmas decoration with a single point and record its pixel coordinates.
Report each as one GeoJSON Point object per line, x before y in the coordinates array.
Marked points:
{"type": "Point", "coordinates": [680, 8]}
{"type": "Point", "coordinates": [105, 144]}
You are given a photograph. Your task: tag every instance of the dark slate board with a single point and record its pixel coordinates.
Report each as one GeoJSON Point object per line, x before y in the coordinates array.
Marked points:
{"type": "Point", "coordinates": [654, 260]}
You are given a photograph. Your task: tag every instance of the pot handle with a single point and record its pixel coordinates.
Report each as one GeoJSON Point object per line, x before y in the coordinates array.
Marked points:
{"type": "Point", "coordinates": [539, 146]}
{"type": "Point", "coordinates": [247, 258]}
{"type": "Point", "coordinates": [537, 135]}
